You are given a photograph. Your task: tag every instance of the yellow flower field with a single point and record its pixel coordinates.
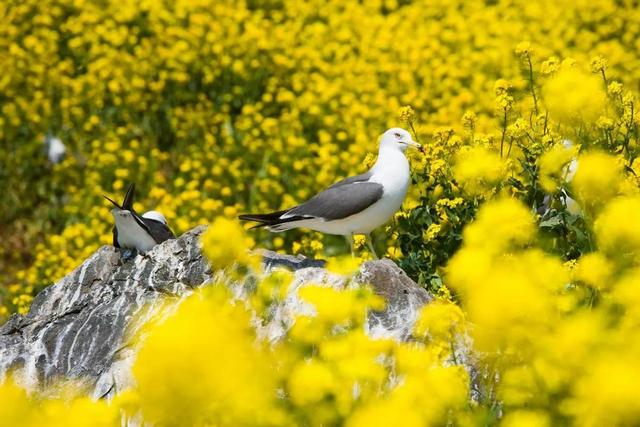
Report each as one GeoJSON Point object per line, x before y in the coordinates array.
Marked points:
{"type": "Point", "coordinates": [523, 217]}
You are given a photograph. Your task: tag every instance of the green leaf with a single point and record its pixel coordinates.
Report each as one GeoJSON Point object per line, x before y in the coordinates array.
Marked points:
{"type": "Point", "coordinates": [552, 222]}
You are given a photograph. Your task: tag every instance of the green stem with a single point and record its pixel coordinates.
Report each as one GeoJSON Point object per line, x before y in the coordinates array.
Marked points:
{"type": "Point", "coordinates": [415, 134]}
{"type": "Point", "coordinates": [604, 77]}
{"type": "Point", "coordinates": [533, 92]}
{"type": "Point", "coordinates": [627, 137]}
{"type": "Point", "coordinates": [504, 131]}
{"type": "Point", "coordinates": [510, 145]}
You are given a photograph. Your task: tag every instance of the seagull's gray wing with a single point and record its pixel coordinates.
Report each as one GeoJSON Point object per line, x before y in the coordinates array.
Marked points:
{"type": "Point", "coordinates": [350, 180]}
{"type": "Point", "coordinates": [159, 231]}
{"type": "Point", "coordinates": [343, 199]}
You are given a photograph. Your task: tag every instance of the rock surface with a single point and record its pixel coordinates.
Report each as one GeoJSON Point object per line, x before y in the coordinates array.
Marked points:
{"type": "Point", "coordinates": [81, 326]}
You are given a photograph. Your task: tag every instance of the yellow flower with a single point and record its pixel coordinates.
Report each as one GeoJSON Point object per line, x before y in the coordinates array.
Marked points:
{"type": "Point", "coordinates": [343, 265]}
{"type": "Point", "coordinates": [597, 179]}
{"type": "Point", "coordinates": [385, 413]}
{"type": "Point", "coordinates": [573, 95]}
{"type": "Point", "coordinates": [393, 252]}
{"type": "Point", "coordinates": [69, 410]}
{"type": "Point", "coordinates": [273, 287]}
{"type": "Point", "coordinates": [605, 123]}
{"type": "Point", "coordinates": [501, 86]}
{"type": "Point", "coordinates": [598, 64]}
{"type": "Point", "coordinates": [617, 229]}
{"type": "Point", "coordinates": [478, 170]}
{"type": "Point", "coordinates": [469, 120]}
{"type": "Point", "coordinates": [310, 382]}
{"type": "Point", "coordinates": [440, 321]}
{"type": "Point", "coordinates": [526, 418]}
{"type": "Point", "coordinates": [340, 307]}
{"type": "Point", "coordinates": [606, 393]}
{"type": "Point", "coordinates": [550, 66]}
{"type": "Point", "coordinates": [226, 243]}
{"type": "Point", "coordinates": [407, 114]}
{"type": "Point", "coordinates": [506, 221]}
{"type": "Point", "coordinates": [431, 232]}
{"type": "Point", "coordinates": [553, 163]}
{"type": "Point", "coordinates": [595, 270]}
{"type": "Point", "coordinates": [615, 88]}
{"type": "Point", "coordinates": [210, 368]}
{"type": "Point", "coordinates": [523, 49]}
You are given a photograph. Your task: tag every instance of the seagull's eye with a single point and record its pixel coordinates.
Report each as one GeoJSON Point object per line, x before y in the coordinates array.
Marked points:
{"type": "Point", "coordinates": [397, 135]}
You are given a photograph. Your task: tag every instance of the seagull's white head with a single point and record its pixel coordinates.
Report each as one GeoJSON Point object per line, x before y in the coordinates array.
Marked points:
{"type": "Point", "coordinates": [155, 215]}
{"type": "Point", "coordinates": [398, 139]}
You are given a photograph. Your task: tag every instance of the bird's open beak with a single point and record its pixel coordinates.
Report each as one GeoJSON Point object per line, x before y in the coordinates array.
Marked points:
{"type": "Point", "coordinates": [416, 145]}
{"type": "Point", "coordinates": [114, 203]}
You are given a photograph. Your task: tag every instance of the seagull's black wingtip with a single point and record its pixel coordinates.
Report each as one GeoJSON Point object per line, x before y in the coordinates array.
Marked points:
{"type": "Point", "coordinates": [127, 203]}
{"type": "Point", "coordinates": [114, 203]}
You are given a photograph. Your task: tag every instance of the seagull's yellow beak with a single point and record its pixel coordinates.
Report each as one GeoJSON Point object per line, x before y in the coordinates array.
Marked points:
{"type": "Point", "coordinates": [416, 145]}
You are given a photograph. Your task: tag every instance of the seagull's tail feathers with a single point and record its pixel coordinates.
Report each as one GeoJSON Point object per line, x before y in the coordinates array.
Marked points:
{"type": "Point", "coordinates": [272, 221]}
{"type": "Point", "coordinates": [263, 219]}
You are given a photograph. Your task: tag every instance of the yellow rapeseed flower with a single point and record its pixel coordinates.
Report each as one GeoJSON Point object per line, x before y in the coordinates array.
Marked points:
{"type": "Point", "coordinates": [211, 368]}
{"type": "Point", "coordinates": [617, 229]}
{"type": "Point", "coordinates": [597, 179]}
{"type": "Point", "coordinates": [226, 243]}
{"type": "Point", "coordinates": [310, 382]}
{"type": "Point", "coordinates": [440, 321]}
{"type": "Point", "coordinates": [553, 166]}
{"type": "Point", "coordinates": [572, 95]}
{"type": "Point", "coordinates": [478, 170]}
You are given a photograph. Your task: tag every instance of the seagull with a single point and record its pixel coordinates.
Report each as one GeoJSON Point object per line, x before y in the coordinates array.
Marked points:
{"type": "Point", "coordinates": [55, 149]}
{"type": "Point", "coordinates": [137, 232]}
{"type": "Point", "coordinates": [355, 205]}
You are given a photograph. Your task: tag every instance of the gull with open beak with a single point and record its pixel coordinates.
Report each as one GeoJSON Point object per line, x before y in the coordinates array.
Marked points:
{"type": "Point", "coordinates": [137, 232]}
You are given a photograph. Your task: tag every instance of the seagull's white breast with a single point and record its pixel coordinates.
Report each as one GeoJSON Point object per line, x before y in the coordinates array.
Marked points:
{"type": "Point", "coordinates": [130, 234]}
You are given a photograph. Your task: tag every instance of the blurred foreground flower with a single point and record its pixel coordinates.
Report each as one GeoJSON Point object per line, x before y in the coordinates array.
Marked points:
{"type": "Point", "coordinates": [479, 170]}
{"type": "Point", "coordinates": [572, 95]}
{"type": "Point", "coordinates": [225, 243]}
{"type": "Point", "coordinates": [72, 409]}
{"type": "Point", "coordinates": [205, 360]}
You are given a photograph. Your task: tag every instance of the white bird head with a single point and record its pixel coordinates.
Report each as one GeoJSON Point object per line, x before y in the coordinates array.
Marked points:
{"type": "Point", "coordinates": [155, 215]}
{"type": "Point", "coordinates": [399, 139]}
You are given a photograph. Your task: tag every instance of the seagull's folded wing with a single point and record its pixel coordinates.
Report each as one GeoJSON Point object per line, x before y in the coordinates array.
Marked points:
{"type": "Point", "coordinates": [339, 201]}
{"type": "Point", "coordinates": [159, 231]}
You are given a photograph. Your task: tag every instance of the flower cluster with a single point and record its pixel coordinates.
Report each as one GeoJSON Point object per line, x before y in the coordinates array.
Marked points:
{"type": "Point", "coordinates": [554, 343]}
{"type": "Point", "coordinates": [524, 215]}
{"type": "Point", "coordinates": [214, 108]}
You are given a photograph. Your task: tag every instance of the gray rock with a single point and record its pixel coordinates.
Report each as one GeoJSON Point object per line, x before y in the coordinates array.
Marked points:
{"type": "Point", "coordinates": [272, 260]}
{"type": "Point", "coordinates": [81, 326]}
{"type": "Point", "coordinates": [404, 299]}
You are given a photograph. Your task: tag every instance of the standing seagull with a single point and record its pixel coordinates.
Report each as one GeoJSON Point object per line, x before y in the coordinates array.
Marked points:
{"type": "Point", "coordinates": [134, 231]}
{"type": "Point", "coordinates": [355, 205]}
